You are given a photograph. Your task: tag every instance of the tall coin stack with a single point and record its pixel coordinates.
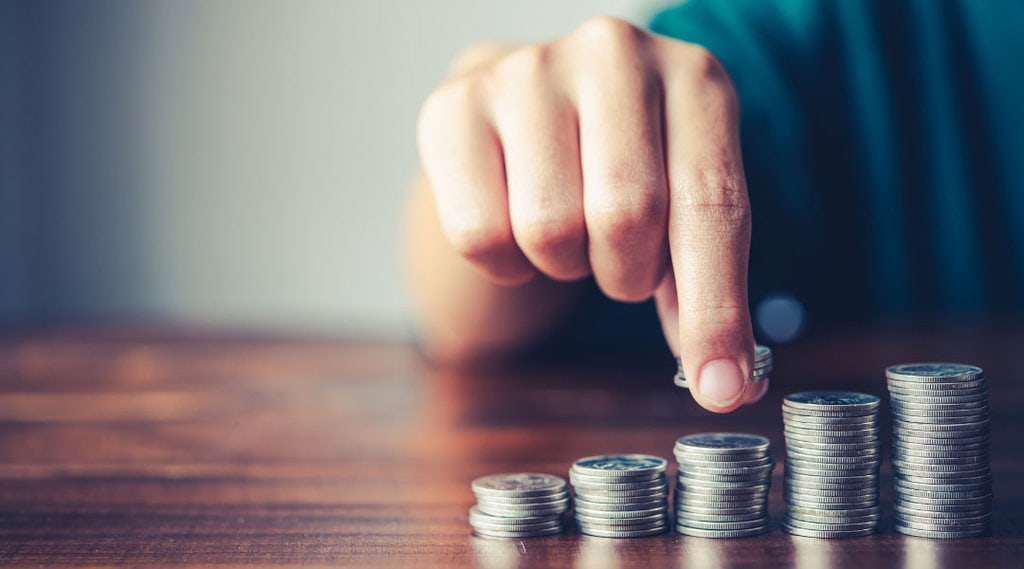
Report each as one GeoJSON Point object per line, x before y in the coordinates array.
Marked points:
{"type": "Point", "coordinates": [833, 451]}
{"type": "Point", "coordinates": [620, 495]}
{"type": "Point", "coordinates": [722, 486]}
{"type": "Point", "coordinates": [940, 450]}
{"type": "Point", "coordinates": [763, 364]}
{"type": "Point", "coordinates": [519, 505]}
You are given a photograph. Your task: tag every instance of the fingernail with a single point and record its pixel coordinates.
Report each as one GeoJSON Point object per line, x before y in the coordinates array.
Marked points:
{"type": "Point", "coordinates": [721, 382]}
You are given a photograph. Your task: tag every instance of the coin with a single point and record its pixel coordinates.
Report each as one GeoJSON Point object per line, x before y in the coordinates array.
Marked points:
{"type": "Point", "coordinates": [763, 365]}
{"type": "Point", "coordinates": [519, 485]}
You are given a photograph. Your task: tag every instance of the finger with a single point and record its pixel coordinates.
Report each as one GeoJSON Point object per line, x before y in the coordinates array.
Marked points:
{"type": "Point", "coordinates": [709, 230]}
{"type": "Point", "coordinates": [462, 159]}
{"type": "Point", "coordinates": [625, 190]}
{"type": "Point", "coordinates": [667, 304]}
{"type": "Point", "coordinates": [539, 136]}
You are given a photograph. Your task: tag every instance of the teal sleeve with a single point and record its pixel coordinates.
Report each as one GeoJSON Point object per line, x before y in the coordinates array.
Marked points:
{"type": "Point", "coordinates": [882, 144]}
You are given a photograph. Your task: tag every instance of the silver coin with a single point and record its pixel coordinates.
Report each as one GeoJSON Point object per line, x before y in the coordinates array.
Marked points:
{"type": "Point", "coordinates": [923, 398]}
{"type": "Point", "coordinates": [825, 526]}
{"type": "Point", "coordinates": [736, 525]}
{"type": "Point", "coordinates": [620, 486]}
{"type": "Point", "coordinates": [943, 523]}
{"type": "Point", "coordinates": [972, 461]}
{"type": "Point", "coordinates": [937, 387]}
{"type": "Point", "coordinates": [919, 439]}
{"type": "Point", "coordinates": [800, 436]}
{"type": "Point", "coordinates": [938, 371]}
{"type": "Point", "coordinates": [723, 444]}
{"type": "Point", "coordinates": [497, 534]}
{"type": "Point", "coordinates": [828, 504]}
{"type": "Point", "coordinates": [480, 519]}
{"type": "Point", "coordinates": [615, 466]}
{"type": "Point", "coordinates": [836, 517]}
{"type": "Point", "coordinates": [600, 532]}
{"type": "Point", "coordinates": [711, 510]}
{"type": "Point", "coordinates": [981, 398]}
{"type": "Point", "coordinates": [873, 458]}
{"type": "Point", "coordinates": [831, 400]}
{"type": "Point", "coordinates": [512, 512]}
{"type": "Point", "coordinates": [929, 526]}
{"type": "Point", "coordinates": [604, 521]}
{"type": "Point", "coordinates": [913, 532]}
{"type": "Point", "coordinates": [723, 466]}
{"type": "Point", "coordinates": [522, 484]}
{"type": "Point", "coordinates": [576, 477]}
{"type": "Point", "coordinates": [523, 501]}
{"type": "Point", "coordinates": [721, 534]}
{"type": "Point", "coordinates": [621, 514]}
{"type": "Point", "coordinates": [688, 517]}
{"type": "Point", "coordinates": [916, 405]}
{"type": "Point", "coordinates": [944, 512]}
{"type": "Point", "coordinates": [827, 534]}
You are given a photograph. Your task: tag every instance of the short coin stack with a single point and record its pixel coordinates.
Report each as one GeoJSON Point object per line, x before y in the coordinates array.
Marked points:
{"type": "Point", "coordinates": [519, 505]}
{"type": "Point", "coordinates": [763, 364]}
{"type": "Point", "coordinates": [940, 450]}
{"type": "Point", "coordinates": [833, 452]}
{"type": "Point", "coordinates": [620, 495]}
{"type": "Point", "coordinates": [722, 487]}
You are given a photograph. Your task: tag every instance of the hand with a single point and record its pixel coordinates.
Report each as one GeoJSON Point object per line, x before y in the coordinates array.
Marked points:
{"type": "Point", "coordinates": [610, 152]}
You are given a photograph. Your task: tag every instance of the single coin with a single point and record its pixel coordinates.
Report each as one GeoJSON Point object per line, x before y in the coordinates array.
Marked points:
{"type": "Point", "coordinates": [826, 534]}
{"type": "Point", "coordinates": [498, 534]}
{"type": "Point", "coordinates": [615, 466]}
{"type": "Point", "coordinates": [521, 484]}
{"type": "Point", "coordinates": [913, 532]}
{"type": "Point", "coordinates": [720, 534]}
{"type": "Point", "coordinates": [930, 372]}
{"type": "Point", "coordinates": [630, 533]}
{"type": "Point", "coordinates": [722, 444]}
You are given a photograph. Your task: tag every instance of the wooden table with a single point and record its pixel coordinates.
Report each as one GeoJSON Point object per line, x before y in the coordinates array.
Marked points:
{"type": "Point", "coordinates": [192, 447]}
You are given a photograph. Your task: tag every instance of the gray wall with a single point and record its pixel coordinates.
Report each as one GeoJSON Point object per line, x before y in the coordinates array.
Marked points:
{"type": "Point", "coordinates": [238, 162]}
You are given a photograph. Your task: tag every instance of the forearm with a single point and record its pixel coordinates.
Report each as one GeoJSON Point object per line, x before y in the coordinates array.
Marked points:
{"type": "Point", "coordinates": [462, 317]}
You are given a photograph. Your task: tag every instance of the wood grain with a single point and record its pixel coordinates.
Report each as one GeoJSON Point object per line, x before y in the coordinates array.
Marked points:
{"type": "Point", "coordinates": [144, 447]}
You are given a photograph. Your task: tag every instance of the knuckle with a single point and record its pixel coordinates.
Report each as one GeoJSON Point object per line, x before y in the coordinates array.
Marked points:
{"type": "Point", "coordinates": [716, 196]}
{"type": "Point", "coordinates": [546, 234]}
{"type": "Point", "coordinates": [703, 314]}
{"type": "Point", "coordinates": [478, 239]}
{"type": "Point", "coordinates": [703, 64]}
{"type": "Point", "coordinates": [447, 101]}
{"type": "Point", "coordinates": [607, 33]}
{"type": "Point", "coordinates": [629, 218]}
{"type": "Point", "coordinates": [529, 63]}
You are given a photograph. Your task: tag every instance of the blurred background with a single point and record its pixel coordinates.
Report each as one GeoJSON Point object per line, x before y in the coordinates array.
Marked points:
{"type": "Point", "coordinates": [231, 162]}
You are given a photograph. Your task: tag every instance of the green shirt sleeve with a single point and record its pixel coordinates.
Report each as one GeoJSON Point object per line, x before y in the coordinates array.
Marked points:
{"type": "Point", "coordinates": [882, 144]}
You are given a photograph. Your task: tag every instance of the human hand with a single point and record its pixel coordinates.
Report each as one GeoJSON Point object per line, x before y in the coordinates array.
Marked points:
{"type": "Point", "coordinates": [612, 152]}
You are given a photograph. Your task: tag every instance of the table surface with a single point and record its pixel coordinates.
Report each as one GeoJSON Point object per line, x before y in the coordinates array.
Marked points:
{"type": "Point", "coordinates": [124, 446]}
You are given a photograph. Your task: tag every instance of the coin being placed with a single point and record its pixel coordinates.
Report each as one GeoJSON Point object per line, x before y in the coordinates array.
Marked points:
{"type": "Point", "coordinates": [762, 369]}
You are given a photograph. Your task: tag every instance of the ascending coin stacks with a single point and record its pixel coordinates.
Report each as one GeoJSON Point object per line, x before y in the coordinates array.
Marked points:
{"type": "Point", "coordinates": [620, 495]}
{"type": "Point", "coordinates": [519, 505]}
{"type": "Point", "coordinates": [722, 485]}
{"type": "Point", "coordinates": [940, 444]}
{"type": "Point", "coordinates": [833, 452]}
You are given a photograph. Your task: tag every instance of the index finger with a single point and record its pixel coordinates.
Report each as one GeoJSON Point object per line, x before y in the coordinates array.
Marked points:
{"type": "Point", "coordinates": [709, 229]}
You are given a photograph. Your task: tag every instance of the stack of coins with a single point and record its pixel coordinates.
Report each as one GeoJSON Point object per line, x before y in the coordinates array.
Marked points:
{"type": "Point", "coordinates": [519, 505]}
{"type": "Point", "coordinates": [833, 452]}
{"type": "Point", "coordinates": [620, 495]}
{"type": "Point", "coordinates": [723, 482]}
{"type": "Point", "coordinates": [763, 364]}
{"type": "Point", "coordinates": [940, 443]}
